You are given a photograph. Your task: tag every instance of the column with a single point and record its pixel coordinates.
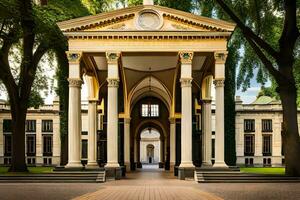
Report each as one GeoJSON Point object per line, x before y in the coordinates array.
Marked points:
{"type": "Point", "coordinates": [161, 152]}
{"type": "Point", "coordinates": [220, 58]}
{"type": "Point", "coordinates": [74, 121]}
{"type": "Point", "coordinates": [172, 143]}
{"type": "Point", "coordinates": [127, 143]}
{"type": "Point", "coordinates": [112, 110]}
{"type": "Point", "coordinates": [135, 151]}
{"type": "Point", "coordinates": [206, 139]}
{"type": "Point", "coordinates": [186, 110]}
{"type": "Point", "coordinates": [92, 131]}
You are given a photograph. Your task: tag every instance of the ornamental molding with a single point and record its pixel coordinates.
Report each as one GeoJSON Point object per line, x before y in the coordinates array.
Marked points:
{"type": "Point", "coordinates": [220, 57]}
{"type": "Point", "coordinates": [186, 57]}
{"type": "Point", "coordinates": [127, 120]}
{"type": "Point", "coordinates": [74, 57]}
{"type": "Point", "coordinates": [113, 82]}
{"type": "Point", "coordinates": [172, 120]}
{"type": "Point", "coordinates": [149, 19]}
{"type": "Point", "coordinates": [219, 82]}
{"type": "Point", "coordinates": [186, 82]}
{"type": "Point", "coordinates": [112, 57]}
{"type": "Point", "coordinates": [75, 82]}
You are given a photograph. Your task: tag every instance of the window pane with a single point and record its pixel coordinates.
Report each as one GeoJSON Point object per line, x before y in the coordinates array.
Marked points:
{"type": "Point", "coordinates": [249, 145]}
{"type": "Point", "coordinates": [84, 148]}
{"type": "Point", "coordinates": [47, 125]}
{"type": "Point", "coordinates": [7, 125]}
{"type": "Point", "coordinates": [267, 125]}
{"type": "Point", "coordinates": [30, 125]}
{"type": "Point", "coordinates": [30, 145]}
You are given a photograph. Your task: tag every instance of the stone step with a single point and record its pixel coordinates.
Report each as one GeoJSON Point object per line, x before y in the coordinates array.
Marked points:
{"type": "Point", "coordinates": [56, 177]}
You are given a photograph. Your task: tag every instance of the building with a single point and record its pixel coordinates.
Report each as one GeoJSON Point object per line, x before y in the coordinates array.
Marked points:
{"type": "Point", "coordinates": [138, 61]}
{"type": "Point", "coordinates": [258, 132]}
{"type": "Point", "coordinates": [42, 135]}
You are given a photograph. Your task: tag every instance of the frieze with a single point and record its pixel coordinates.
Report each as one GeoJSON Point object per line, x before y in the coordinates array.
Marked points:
{"type": "Point", "coordinates": [75, 82]}
{"type": "Point", "coordinates": [74, 57]}
{"type": "Point", "coordinates": [113, 82]}
{"type": "Point", "coordinates": [219, 82]}
{"type": "Point", "coordinates": [220, 57]}
{"type": "Point", "coordinates": [112, 57]}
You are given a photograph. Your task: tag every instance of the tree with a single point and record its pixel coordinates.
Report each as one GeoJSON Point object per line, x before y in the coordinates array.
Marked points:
{"type": "Point", "coordinates": [279, 60]}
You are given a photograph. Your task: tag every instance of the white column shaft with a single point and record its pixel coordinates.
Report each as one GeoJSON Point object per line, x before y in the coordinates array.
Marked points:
{"type": "Point", "coordinates": [92, 131]}
{"type": "Point", "coordinates": [172, 143]}
{"type": "Point", "coordinates": [206, 139]}
{"type": "Point", "coordinates": [127, 141]}
{"type": "Point", "coordinates": [74, 135]}
{"type": "Point", "coordinates": [112, 125]}
{"type": "Point", "coordinates": [219, 140]}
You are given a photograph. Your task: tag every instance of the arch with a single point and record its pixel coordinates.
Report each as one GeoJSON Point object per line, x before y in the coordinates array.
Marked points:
{"type": "Point", "coordinates": [141, 89]}
{"type": "Point", "coordinates": [153, 123]}
{"type": "Point", "coordinates": [93, 87]}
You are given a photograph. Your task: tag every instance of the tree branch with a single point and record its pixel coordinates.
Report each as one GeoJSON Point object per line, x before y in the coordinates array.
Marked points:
{"type": "Point", "coordinates": [268, 64]}
{"type": "Point", "coordinates": [248, 33]}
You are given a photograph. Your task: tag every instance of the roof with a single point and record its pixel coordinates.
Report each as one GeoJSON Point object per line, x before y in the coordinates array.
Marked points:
{"type": "Point", "coordinates": [262, 100]}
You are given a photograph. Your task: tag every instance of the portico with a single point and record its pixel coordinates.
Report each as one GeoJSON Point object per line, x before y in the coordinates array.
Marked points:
{"type": "Point", "coordinates": [147, 55]}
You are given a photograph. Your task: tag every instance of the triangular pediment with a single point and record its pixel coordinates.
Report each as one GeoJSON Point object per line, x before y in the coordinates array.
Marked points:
{"type": "Point", "coordinates": [146, 18]}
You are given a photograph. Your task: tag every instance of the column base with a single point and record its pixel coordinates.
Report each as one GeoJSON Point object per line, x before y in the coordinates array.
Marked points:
{"type": "Point", "coordinates": [221, 164]}
{"type": "Point", "coordinates": [127, 166]}
{"type": "Point", "coordinates": [112, 165]}
{"type": "Point", "coordinates": [92, 165]}
{"type": "Point", "coordinates": [186, 172]}
{"type": "Point", "coordinates": [206, 165]}
{"type": "Point", "coordinates": [114, 173]}
{"type": "Point", "coordinates": [74, 165]}
{"type": "Point", "coordinates": [172, 166]}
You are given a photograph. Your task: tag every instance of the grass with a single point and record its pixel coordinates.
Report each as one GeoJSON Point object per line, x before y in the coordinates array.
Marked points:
{"type": "Point", "coordinates": [32, 170]}
{"type": "Point", "coordinates": [263, 170]}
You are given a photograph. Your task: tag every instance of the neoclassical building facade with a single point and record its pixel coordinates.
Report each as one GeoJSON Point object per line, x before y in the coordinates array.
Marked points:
{"type": "Point", "coordinates": [145, 57]}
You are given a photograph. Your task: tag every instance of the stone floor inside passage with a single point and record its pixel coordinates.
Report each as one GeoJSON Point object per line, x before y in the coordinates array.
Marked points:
{"type": "Point", "coordinates": [152, 184]}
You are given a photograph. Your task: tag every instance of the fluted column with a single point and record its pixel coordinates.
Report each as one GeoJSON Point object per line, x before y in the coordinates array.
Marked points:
{"type": "Point", "coordinates": [74, 120]}
{"type": "Point", "coordinates": [112, 110]}
{"type": "Point", "coordinates": [92, 131]}
{"type": "Point", "coordinates": [127, 143]}
{"type": "Point", "coordinates": [186, 110]}
{"type": "Point", "coordinates": [220, 58]}
{"type": "Point", "coordinates": [172, 143]}
{"type": "Point", "coordinates": [206, 139]}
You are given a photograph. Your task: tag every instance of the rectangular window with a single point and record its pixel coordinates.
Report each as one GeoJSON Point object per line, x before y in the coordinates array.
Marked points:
{"type": "Point", "coordinates": [7, 144]}
{"type": "Point", "coordinates": [47, 145]}
{"type": "Point", "coordinates": [47, 125]}
{"type": "Point", "coordinates": [30, 144]}
{"type": "Point", "coordinates": [267, 145]}
{"type": "Point", "coordinates": [249, 143]}
{"type": "Point", "coordinates": [84, 149]}
{"type": "Point", "coordinates": [150, 110]}
{"type": "Point", "coordinates": [249, 125]}
{"type": "Point", "coordinates": [266, 125]}
{"type": "Point", "coordinates": [30, 125]}
{"type": "Point", "coordinates": [7, 125]}
{"type": "Point", "coordinates": [84, 133]}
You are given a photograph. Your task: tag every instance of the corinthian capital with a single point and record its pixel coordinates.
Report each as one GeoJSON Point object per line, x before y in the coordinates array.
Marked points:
{"type": "Point", "coordinates": [75, 82]}
{"type": "Point", "coordinates": [219, 82]}
{"type": "Point", "coordinates": [74, 57]}
{"type": "Point", "coordinates": [220, 56]}
{"type": "Point", "coordinates": [113, 82]}
{"type": "Point", "coordinates": [112, 57]}
{"type": "Point", "coordinates": [186, 57]}
{"type": "Point", "coordinates": [186, 82]}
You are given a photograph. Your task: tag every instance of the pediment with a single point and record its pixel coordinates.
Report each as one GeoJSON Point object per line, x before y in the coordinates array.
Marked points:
{"type": "Point", "coordinates": [145, 18]}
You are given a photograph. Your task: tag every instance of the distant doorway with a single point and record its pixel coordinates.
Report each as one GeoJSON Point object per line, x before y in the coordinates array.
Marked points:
{"type": "Point", "coordinates": [150, 153]}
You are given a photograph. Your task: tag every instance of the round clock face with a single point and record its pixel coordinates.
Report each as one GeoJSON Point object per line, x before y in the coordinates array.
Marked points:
{"type": "Point", "coordinates": [149, 21]}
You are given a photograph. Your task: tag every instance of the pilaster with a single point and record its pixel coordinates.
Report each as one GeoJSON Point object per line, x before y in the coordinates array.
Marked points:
{"type": "Point", "coordinates": [207, 133]}
{"type": "Point", "coordinates": [172, 143]}
{"type": "Point", "coordinates": [92, 134]}
{"type": "Point", "coordinates": [127, 143]}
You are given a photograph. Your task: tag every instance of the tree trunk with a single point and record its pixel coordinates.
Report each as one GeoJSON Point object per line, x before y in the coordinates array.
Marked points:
{"type": "Point", "coordinates": [18, 111]}
{"type": "Point", "coordinates": [291, 139]}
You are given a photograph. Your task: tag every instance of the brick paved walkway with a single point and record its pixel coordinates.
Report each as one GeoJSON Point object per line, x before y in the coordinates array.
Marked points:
{"type": "Point", "coordinates": [149, 185]}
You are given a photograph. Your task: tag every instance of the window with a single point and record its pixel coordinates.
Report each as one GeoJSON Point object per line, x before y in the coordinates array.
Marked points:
{"type": "Point", "coordinates": [249, 161]}
{"type": "Point", "coordinates": [150, 110]}
{"type": "Point", "coordinates": [30, 125]}
{"type": "Point", "coordinates": [7, 125]}
{"type": "Point", "coordinates": [249, 125]}
{"type": "Point", "coordinates": [84, 149]}
{"type": "Point", "coordinates": [47, 161]}
{"type": "Point", "coordinates": [47, 145]}
{"type": "Point", "coordinates": [84, 133]}
{"type": "Point", "coordinates": [267, 145]}
{"type": "Point", "coordinates": [7, 145]}
{"type": "Point", "coordinates": [249, 145]}
{"type": "Point", "coordinates": [30, 145]}
{"type": "Point", "coordinates": [47, 126]}
{"type": "Point", "coordinates": [267, 161]}
{"type": "Point", "coordinates": [212, 148]}
{"type": "Point", "coordinates": [266, 125]}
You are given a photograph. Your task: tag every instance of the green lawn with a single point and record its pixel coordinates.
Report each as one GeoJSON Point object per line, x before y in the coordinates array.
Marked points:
{"type": "Point", "coordinates": [263, 170]}
{"type": "Point", "coordinates": [32, 170]}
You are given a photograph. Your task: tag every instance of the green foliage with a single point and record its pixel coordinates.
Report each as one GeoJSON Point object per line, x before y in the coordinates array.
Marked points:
{"type": "Point", "coordinates": [184, 5]}
{"type": "Point", "coordinates": [35, 99]}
